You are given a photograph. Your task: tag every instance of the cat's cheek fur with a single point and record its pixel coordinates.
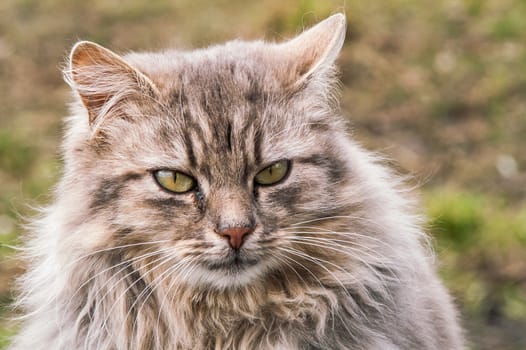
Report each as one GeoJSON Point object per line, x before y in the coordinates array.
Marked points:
{"type": "Point", "coordinates": [307, 193]}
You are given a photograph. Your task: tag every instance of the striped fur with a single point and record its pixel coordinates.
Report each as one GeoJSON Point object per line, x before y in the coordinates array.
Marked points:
{"type": "Point", "coordinates": [337, 259]}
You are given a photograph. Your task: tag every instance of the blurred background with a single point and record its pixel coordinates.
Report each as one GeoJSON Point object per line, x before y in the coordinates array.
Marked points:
{"type": "Point", "coordinates": [437, 86]}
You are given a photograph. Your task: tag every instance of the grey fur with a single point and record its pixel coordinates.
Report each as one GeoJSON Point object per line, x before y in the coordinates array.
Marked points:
{"type": "Point", "coordinates": [337, 260]}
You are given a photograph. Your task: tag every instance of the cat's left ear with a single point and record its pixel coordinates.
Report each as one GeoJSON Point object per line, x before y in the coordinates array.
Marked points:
{"type": "Point", "coordinates": [103, 80]}
{"type": "Point", "coordinates": [315, 50]}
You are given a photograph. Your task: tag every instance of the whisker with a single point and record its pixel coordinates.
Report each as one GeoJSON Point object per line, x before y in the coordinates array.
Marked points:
{"type": "Point", "coordinates": [51, 301]}
{"type": "Point", "coordinates": [187, 269]}
{"type": "Point", "coordinates": [294, 252]}
{"type": "Point", "coordinates": [99, 303]}
{"type": "Point", "coordinates": [327, 231]}
{"type": "Point", "coordinates": [158, 280]}
{"type": "Point", "coordinates": [340, 237]}
{"type": "Point", "coordinates": [316, 261]}
{"type": "Point", "coordinates": [337, 247]}
{"type": "Point", "coordinates": [115, 248]}
{"type": "Point", "coordinates": [124, 262]}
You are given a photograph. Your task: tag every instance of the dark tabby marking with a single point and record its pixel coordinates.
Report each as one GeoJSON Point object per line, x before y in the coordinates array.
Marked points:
{"type": "Point", "coordinates": [110, 189]}
{"type": "Point", "coordinates": [335, 169]}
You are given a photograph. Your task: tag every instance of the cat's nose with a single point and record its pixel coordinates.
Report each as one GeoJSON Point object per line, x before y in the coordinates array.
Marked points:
{"type": "Point", "coordinates": [235, 235]}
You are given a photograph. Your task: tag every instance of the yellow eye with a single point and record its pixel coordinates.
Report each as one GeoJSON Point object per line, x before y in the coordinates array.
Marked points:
{"type": "Point", "coordinates": [174, 181]}
{"type": "Point", "coordinates": [273, 173]}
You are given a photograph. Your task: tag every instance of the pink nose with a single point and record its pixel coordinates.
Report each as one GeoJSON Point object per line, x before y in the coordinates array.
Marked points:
{"type": "Point", "coordinates": [235, 235]}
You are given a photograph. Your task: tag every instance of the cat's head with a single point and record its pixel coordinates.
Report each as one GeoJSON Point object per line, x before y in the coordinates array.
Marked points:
{"type": "Point", "coordinates": [206, 166]}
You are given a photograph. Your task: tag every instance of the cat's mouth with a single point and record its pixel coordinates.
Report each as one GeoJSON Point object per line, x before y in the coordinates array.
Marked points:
{"type": "Point", "coordinates": [235, 261]}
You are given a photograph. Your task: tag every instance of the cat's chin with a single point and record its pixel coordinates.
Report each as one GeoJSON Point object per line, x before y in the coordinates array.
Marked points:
{"type": "Point", "coordinates": [232, 272]}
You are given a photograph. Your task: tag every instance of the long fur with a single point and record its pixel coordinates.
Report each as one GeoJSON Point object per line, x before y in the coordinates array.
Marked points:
{"type": "Point", "coordinates": [337, 258]}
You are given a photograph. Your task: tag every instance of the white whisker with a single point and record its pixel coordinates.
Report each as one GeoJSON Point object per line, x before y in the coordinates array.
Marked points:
{"type": "Point", "coordinates": [105, 250]}
{"type": "Point", "coordinates": [322, 285]}
{"type": "Point", "coordinates": [115, 284]}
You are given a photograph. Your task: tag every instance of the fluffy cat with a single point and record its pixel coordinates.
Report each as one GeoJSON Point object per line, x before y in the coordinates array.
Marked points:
{"type": "Point", "coordinates": [212, 200]}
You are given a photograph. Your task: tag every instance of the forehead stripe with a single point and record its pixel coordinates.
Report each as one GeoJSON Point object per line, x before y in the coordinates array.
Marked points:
{"type": "Point", "coordinates": [189, 149]}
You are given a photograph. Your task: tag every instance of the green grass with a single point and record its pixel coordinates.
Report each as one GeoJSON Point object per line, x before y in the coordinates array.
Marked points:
{"type": "Point", "coordinates": [482, 245]}
{"type": "Point", "coordinates": [6, 333]}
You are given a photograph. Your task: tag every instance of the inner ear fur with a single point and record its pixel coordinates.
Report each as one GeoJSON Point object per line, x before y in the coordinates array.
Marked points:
{"type": "Point", "coordinates": [315, 50]}
{"type": "Point", "coordinates": [103, 79]}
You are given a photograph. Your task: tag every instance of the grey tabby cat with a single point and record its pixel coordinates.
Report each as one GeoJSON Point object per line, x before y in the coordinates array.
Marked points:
{"type": "Point", "coordinates": [212, 200]}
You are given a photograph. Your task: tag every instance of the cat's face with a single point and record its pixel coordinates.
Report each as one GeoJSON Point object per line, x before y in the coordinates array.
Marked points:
{"type": "Point", "coordinates": [210, 162]}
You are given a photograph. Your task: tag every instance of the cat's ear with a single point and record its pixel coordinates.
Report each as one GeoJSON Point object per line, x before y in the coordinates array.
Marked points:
{"type": "Point", "coordinates": [314, 50]}
{"type": "Point", "coordinates": [103, 80]}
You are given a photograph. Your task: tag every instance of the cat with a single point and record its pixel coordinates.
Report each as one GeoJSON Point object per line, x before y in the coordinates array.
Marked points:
{"type": "Point", "coordinates": [212, 199]}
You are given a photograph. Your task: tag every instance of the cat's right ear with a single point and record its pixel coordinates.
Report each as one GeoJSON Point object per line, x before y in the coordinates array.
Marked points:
{"type": "Point", "coordinates": [313, 52]}
{"type": "Point", "coordinates": [103, 80]}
